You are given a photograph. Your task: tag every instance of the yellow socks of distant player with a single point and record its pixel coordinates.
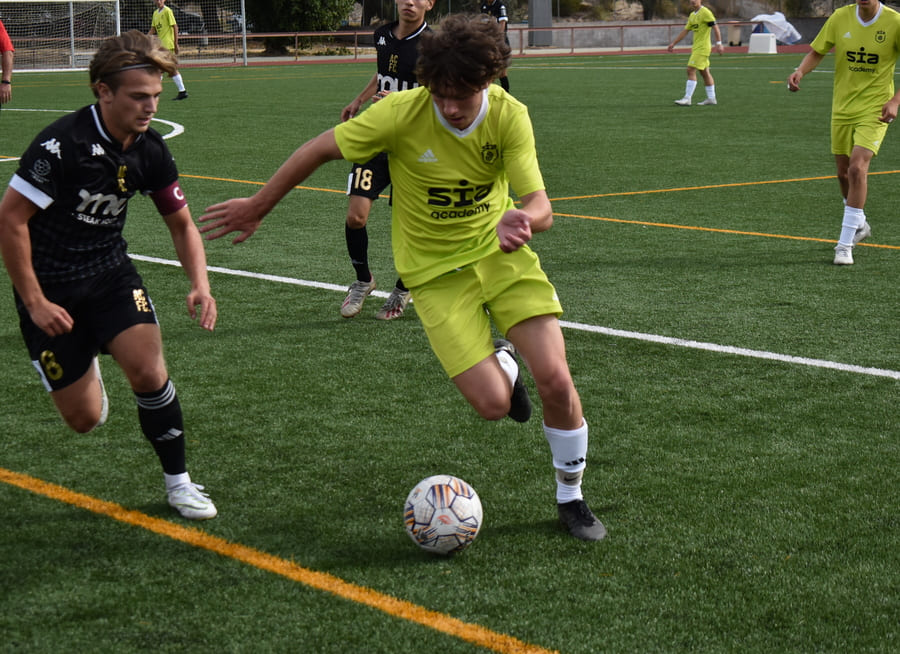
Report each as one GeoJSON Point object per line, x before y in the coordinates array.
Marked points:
{"type": "Point", "coordinates": [853, 219]}
{"type": "Point", "coordinates": [569, 450]}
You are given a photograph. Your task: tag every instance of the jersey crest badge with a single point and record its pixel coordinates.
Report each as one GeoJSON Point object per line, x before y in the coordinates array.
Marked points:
{"type": "Point", "coordinates": [880, 36]}
{"type": "Point", "coordinates": [489, 153]}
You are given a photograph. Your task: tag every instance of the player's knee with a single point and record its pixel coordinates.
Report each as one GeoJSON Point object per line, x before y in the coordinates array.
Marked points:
{"type": "Point", "coordinates": [491, 406]}
{"type": "Point", "coordinates": [556, 389]}
{"type": "Point", "coordinates": [357, 220]}
{"type": "Point", "coordinates": [83, 421]}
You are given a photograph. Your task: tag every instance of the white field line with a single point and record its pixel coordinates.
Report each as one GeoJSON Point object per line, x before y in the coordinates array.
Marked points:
{"type": "Point", "coordinates": [177, 128]}
{"type": "Point", "coordinates": [606, 331]}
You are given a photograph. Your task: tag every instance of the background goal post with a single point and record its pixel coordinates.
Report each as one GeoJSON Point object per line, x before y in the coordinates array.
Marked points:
{"type": "Point", "coordinates": [51, 35]}
{"type": "Point", "coordinates": [55, 35]}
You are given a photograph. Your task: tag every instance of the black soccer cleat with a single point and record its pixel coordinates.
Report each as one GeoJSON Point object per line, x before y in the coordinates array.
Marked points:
{"type": "Point", "coordinates": [519, 403]}
{"type": "Point", "coordinates": [580, 521]}
{"type": "Point", "coordinates": [182, 95]}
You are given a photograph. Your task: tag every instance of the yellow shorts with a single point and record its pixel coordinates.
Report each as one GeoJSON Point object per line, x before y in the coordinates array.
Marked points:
{"type": "Point", "coordinates": [700, 62]}
{"type": "Point", "coordinates": [867, 134]}
{"type": "Point", "coordinates": [456, 308]}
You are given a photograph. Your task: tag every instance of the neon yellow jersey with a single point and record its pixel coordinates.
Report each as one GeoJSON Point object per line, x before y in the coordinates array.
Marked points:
{"type": "Point", "coordinates": [450, 186]}
{"type": "Point", "coordinates": [163, 22]}
{"type": "Point", "coordinates": [864, 59]}
{"type": "Point", "coordinates": [700, 22]}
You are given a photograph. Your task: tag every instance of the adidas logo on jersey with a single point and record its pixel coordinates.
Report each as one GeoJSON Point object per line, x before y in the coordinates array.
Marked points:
{"type": "Point", "coordinates": [428, 157]}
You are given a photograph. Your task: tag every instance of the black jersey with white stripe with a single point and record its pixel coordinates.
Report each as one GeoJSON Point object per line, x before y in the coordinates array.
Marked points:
{"type": "Point", "coordinates": [397, 57]}
{"type": "Point", "coordinates": [497, 9]}
{"type": "Point", "coordinates": [81, 181]}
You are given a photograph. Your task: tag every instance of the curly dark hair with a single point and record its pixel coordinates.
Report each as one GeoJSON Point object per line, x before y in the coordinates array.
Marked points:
{"type": "Point", "coordinates": [464, 52]}
{"type": "Point", "coordinates": [133, 49]}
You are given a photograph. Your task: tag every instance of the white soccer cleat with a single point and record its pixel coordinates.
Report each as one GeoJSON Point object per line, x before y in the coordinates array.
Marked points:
{"type": "Point", "coordinates": [356, 295]}
{"type": "Point", "coordinates": [708, 101]}
{"type": "Point", "coordinates": [862, 233]}
{"type": "Point", "coordinates": [843, 255]}
{"type": "Point", "coordinates": [683, 102]}
{"type": "Point", "coordinates": [394, 306]}
{"type": "Point", "coordinates": [190, 502]}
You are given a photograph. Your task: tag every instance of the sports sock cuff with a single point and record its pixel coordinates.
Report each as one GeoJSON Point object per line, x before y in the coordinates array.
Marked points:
{"type": "Point", "coordinates": [853, 217]}
{"type": "Point", "coordinates": [568, 447]}
{"type": "Point", "coordinates": [509, 365]}
{"type": "Point", "coordinates": [157, 399]}
{"type": "Point", "coordinates": [176, 480]}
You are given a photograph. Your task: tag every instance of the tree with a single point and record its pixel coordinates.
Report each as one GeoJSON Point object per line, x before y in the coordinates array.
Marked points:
{"type": "Point", "coordinates": [298, 15]}
{"type": "Point", "coordinates": [295, 15]}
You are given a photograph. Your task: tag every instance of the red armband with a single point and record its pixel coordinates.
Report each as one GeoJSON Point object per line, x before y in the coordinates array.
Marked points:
{"type": "Point", "coordinates": [170, 199]}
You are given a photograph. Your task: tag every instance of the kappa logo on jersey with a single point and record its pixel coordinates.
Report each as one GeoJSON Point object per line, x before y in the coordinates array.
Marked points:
{"type": "Point", "coordinates": [428, 157]}
{"type": "Point", "coordinates": [381, 41]}
{"type": "Point", "coordinates": [97, 150]}
{"type": "Point", "coordinates": [53, 147]}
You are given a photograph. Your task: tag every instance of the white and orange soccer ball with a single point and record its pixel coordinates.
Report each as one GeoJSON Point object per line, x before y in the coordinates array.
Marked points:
{"type": "Point", "coordinates": [443, 514]}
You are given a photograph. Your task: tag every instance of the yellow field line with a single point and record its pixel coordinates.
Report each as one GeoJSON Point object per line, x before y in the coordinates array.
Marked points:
{"type": "Point", "coordinates": [711, 186]}
{"type": "Point", "coordinates": [719, 230]}
{"type": "Point", "coordinates": [441, 622]}
{"type": "Point", "coordinates": [643, 222]}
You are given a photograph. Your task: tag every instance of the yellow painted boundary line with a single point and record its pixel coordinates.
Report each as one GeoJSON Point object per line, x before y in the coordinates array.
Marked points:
{"type": "Point", "coordinates": [720, 230]}
{"type": "Point", "coordinates": [712, 186]}
{"type": "Point", "coordinates": [643, 222]}
{"type": "Point", "coordinates": [392, 606]}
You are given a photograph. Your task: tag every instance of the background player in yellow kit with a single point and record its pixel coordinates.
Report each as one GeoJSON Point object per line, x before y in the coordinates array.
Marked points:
{"type": "Point", "coordinates": [866, 42]}
{"type": "Point", "coordinates": [701, 22]}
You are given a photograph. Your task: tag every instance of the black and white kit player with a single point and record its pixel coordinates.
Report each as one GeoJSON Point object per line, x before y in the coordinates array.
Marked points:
{"type": "Point", "coordinates": [396, 71]}
{"type": "Point", "coordinates": [497, 9]}
{"type": "Point", "coordinates": [81, 179]}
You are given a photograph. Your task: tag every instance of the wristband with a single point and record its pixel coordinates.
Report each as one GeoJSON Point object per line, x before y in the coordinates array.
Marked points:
{"type": "Point", "coordinates": [718, 43]}
{"type": "Point", "coordinates": [6, 81]}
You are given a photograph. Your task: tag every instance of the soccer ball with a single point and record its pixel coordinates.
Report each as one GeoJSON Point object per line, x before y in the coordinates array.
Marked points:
{"type": "Point", "coordinates": [442, 514]}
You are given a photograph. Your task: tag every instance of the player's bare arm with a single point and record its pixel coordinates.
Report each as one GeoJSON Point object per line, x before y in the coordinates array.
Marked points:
{"type": "Point", "coordinates": [353, 108]}
{"type": "Point", "coordinates": [890, 108]}
{"type": "Point", "coordinates": [517, 226]}
{"type": "Point", "coordinates": [15, 244]}
{"type": "Point", "coordinates": [189, 248]}
{"type": "Point", "coordinates": [244, 215]}
{"type": "Point", "coordinates": [809, 63]}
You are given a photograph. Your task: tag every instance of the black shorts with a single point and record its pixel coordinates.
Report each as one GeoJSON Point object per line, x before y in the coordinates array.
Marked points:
{"type": "Point", "coordinates": [101, 307]}
{"type": "Point", "coordinates": [371, 178]}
